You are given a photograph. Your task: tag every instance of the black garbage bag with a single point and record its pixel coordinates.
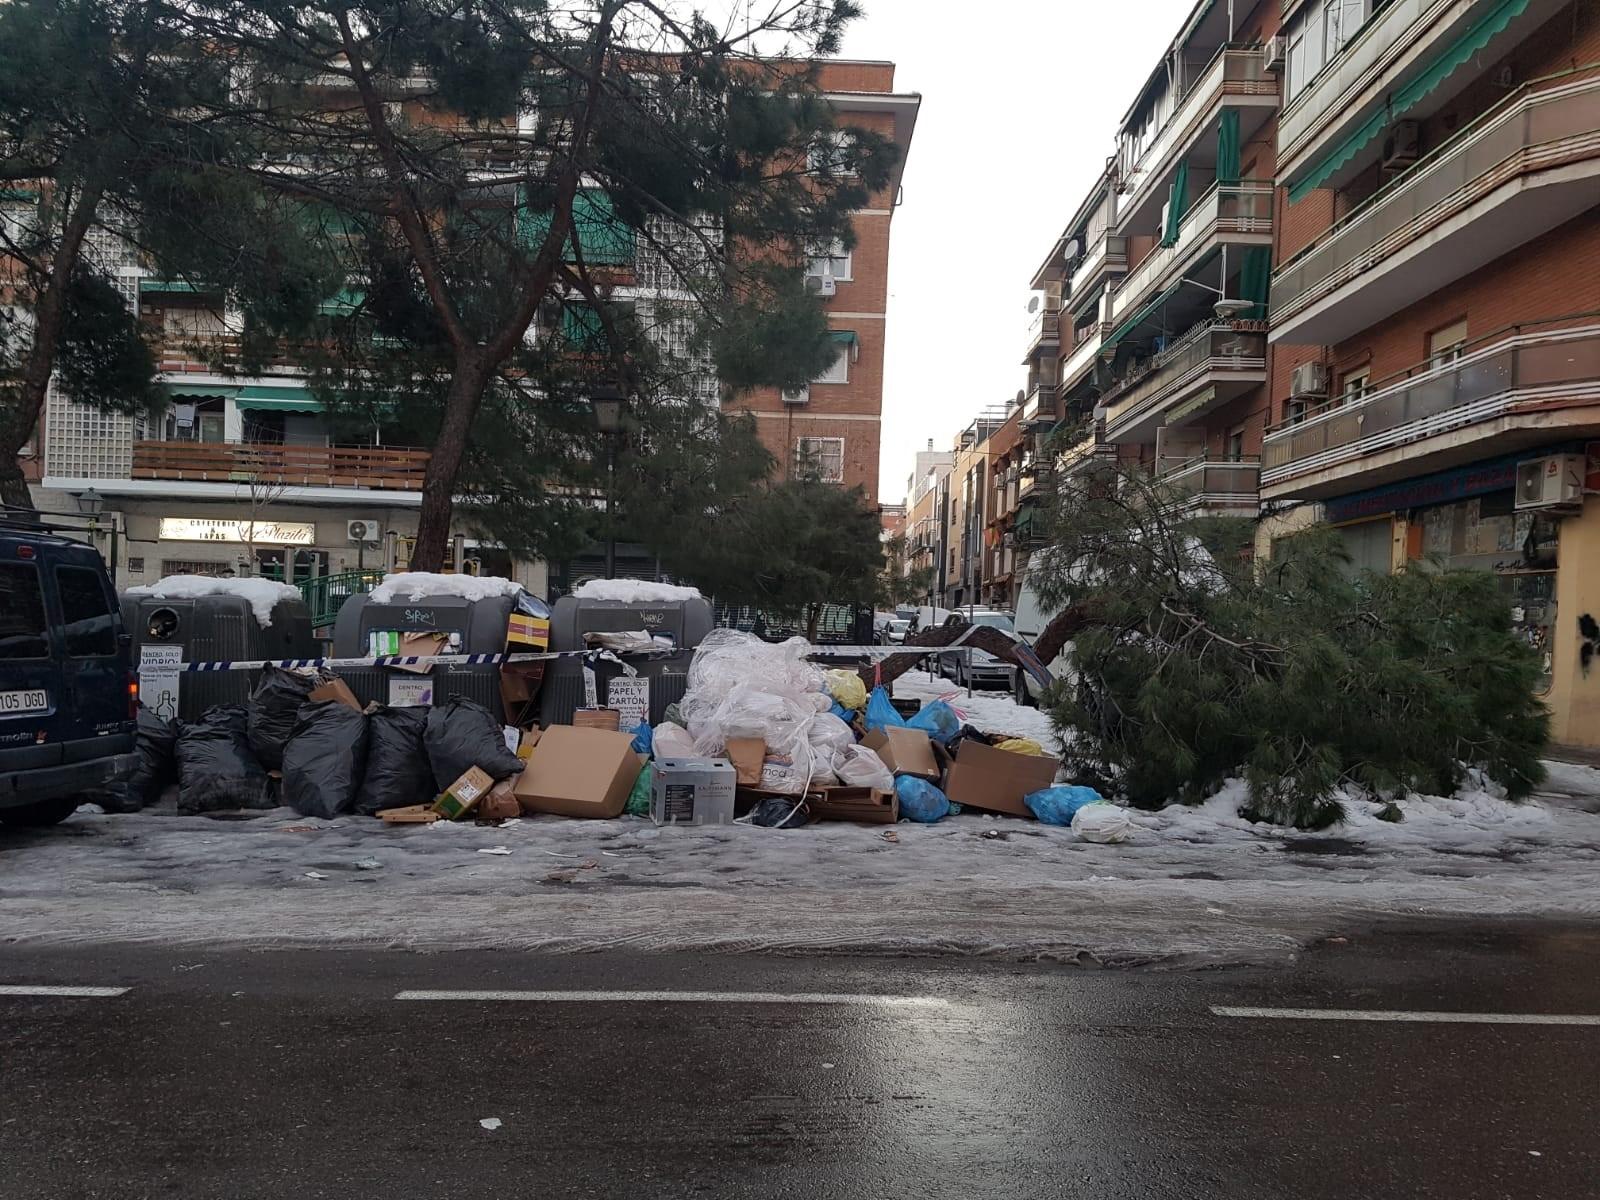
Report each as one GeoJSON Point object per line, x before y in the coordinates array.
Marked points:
{"type": "Point", "coordinates": [463, 734]}
{"type": "Point", "coordinates": [397, 772]}
{"type": "Point", "coordinates": [780, 812]}
{"type": "Point", "coordinates": [273, 706]}
{"type": "Point", "coordinates": [325, 758]}
{"type": "Point", "coordinates": [216, 769]}
{"type": "Point", "coordinates": [155, 742]}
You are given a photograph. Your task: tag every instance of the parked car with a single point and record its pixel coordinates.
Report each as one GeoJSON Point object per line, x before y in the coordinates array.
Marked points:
{"type": "Point", "coordinates": [985, 672]}
{"type": "Point", "coordinates": [893, 631]}
{"type": "Point", "coordinates": [68, 695]}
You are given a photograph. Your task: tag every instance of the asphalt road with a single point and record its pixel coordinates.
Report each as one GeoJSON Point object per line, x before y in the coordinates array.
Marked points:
{"type": "Point", "coordinates": [300, 1074]}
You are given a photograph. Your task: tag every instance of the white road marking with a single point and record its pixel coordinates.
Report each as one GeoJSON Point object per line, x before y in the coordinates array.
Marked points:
{"type": "Point", "coordinates": [1379, 1014]}
{"type": "Point", "coordinates": [609, 997]}
{"type": "Point", "coordinates": [32, 989]}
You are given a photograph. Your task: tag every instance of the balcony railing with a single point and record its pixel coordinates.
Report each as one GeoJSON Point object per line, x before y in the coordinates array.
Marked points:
{"type": "Point", "coordinates": [1040, 402]}
{"type": "Point", "coordinates": [1230, 73]}
{"type": "Point", "coordinates": [1083, 355]}
{"type": "Point", "coordinates": [191, 353]}
{"type": "Point", "coordinates": [1184, 367]}
{"type": "Point", "coordinates": [1044, 326]}
{"type": "Point", "coordinates": [262, 464]}
{"type": "Point", "coordinates": [1243, 208]}
{"type": "Point", "coordinates": [1532, 129]}
{"type": "Point", "coordinates": [1216, 484]}
{"type": "Point", "coordinates": [1542, 367]}
{"type": "Point", "coordinates": [1108, 255]}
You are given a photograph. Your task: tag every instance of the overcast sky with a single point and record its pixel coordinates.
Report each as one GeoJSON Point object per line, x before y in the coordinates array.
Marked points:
{"type": "Point", "coordinates": [1020, 101]}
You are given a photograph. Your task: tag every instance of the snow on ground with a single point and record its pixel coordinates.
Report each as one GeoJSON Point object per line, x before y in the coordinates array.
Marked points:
{"type": "Point", "coordinates": [414, 585]}
{"type": "Point", "coordinates": [261, 594]}
{"type": "Point", "coordinates": [634, 591]}
{"type": "Point", "coordinates": [989, 712]}
{"type": "Point", "coordinates": [1193, 885]}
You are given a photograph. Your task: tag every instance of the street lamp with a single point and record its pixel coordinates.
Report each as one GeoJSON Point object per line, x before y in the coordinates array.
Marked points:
{"type": "Point", "coordinates": [90, 503]}
{"type": "Point", "coordinates": [610, 406]}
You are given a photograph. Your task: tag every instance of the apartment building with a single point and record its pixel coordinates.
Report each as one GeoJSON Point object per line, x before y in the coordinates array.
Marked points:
{"type": "Point", "coordinates": [243, 474]}
{"type": "Point", "coordinates": [925, 520]}
{"type": "Point", "coordinates": [966, 560]}
{"type": "Point", "coordinates": [836, 421]}
{"type": "Point", "coordinates": [1436, 304]}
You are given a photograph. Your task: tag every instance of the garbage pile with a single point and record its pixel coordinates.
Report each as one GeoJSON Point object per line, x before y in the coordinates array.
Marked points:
{"type": "Point", "coordinates": [760, 735]}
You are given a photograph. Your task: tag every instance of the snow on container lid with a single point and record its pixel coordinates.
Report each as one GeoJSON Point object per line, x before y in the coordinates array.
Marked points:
{"type": "Point", "coordinates": [634, 591]}
{"type": "Point", "coordinates": [415, 585]}
{"type": "Point", "coordinates": [261, 594]}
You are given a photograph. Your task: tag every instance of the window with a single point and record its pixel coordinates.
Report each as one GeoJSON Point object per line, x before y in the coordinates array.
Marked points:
{"type": "Point", "coordinates": [1236, 445]}
{"type": "Point", "coordinates": [189, 566]}
{"type": "Point", "coordinates": [832, 261]}
{"type": "Point", "coordinates": [822, 455]}
{"type": "Point", "coordinates": [23, 631]}
{"type": "Point", "coordinates": [840, 371]}
{"type": "Point", "coordinates": [1355, 385]}
{"type": "Point", "coordinates": [86, 613]}
{"type": "Point", "coordinates": [833, 156]}
{"type": "Point", "coordinates": [1445, 345]}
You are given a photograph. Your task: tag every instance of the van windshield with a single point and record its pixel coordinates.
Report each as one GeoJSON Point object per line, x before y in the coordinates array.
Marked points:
{"type": "Point", "coordinates": [23, 632]}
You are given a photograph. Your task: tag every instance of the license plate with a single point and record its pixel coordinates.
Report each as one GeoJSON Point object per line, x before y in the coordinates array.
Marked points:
{"type": "Point", "coordinates": [29, 700]}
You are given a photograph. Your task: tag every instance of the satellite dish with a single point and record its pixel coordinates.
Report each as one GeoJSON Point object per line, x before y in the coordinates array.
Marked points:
{"type": "Point", "coordinates": [1033, 304]}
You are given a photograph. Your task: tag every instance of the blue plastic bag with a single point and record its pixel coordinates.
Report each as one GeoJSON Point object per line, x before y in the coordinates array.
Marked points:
{"type": "Point", "coordinates": [1058, 805]}
{"type": "Point", "coordinates": [920, 800]}
{"type": "Point", "coordinates": [643, 738]}
{"type": "Point", "coordinates": [938, 720]}
{"type": "Point", "coordinates": [880, 711]}
{"type": "Point", "coordinates": [844, 714]}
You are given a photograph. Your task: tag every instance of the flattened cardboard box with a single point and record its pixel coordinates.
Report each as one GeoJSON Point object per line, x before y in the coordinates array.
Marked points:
{"type": "Point", "coordinates": [336, 689]}
{"type": "Point", "coordinates": [904, 751]}
{"type": "Point", "coordinates": [576, 772]}
{"type": "Point", "coordinates": [997, 780]}
{"type": "Point", "coordinates": [747, 754]}
{"type": "Point", "coordinates": [864, 804]}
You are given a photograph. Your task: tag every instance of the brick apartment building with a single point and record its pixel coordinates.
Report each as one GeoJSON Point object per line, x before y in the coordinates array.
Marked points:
{"type": "Point", "coordinates": [176, 486]}
{"type": "Point", "coordinates": [835, 424]}
{"type": "Point", "coordinates": [1421, 368]}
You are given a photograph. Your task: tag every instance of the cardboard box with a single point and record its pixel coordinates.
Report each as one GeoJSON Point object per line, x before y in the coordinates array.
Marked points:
{"type": "Point", "coordinates": [576, 772]}
{"type": "Point", "coordinates": [866, 805]}
{"type": "Point", "coordinates": [747, 754]}
{"type": "Point", "coordinates": [336, 689]}
{"type": "Point", "coordinates": [419, 644]}
{"type": "Point", "coordinates": [499, 805]}
{"type": "Point", "coordinates": [597, 718]}
{"type": "Point", "coordinates": [904, 751]}
{"type": "Point", "coordinates": [997, 780]}
{"type": "Point", "coordinates": [525, 745]}
{"type": "Point", "coordinates": [462, 796]}
{"type": "Point", "coordinates": [692, 791]}
{"type": "Point", "coordinates": [411, 814]}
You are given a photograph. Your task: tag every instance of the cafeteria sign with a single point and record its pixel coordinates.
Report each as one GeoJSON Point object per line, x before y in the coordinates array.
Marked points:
{"type": "Point", "coordinates": [266, 533]}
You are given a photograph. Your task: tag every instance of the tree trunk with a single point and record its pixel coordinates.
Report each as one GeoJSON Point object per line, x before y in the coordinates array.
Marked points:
{"type": "Point", "coordinates": [813, 615]}
{"type": "Point", "coordinates": [21, 415]}
{"type": "Point", "coordinates": [1058, 633]}
{"type": "Point", "coordinates": [438, 483]}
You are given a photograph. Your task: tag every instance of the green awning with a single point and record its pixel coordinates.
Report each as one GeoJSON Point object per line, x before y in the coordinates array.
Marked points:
{"type": "Point", "coordinates": [1255, 281]}
{"type": "Point", "coordinates": [603, 238]}
{"type": "Point", "coordinates": [275, 399]}
{"type": "Point", "coordinates": [582, 327]}
{"type": "Point", "coordinates": [1228, 148]}
{"type": "Point", "coordinates": [343, 303]}
{"type": "Point", "coordinates": [198, 390]}
{"type": "Point", "coordinates": [1140, 317]}
{"type": "Point", "coordinates": [12, 195]}
{"type": "Point", "coordinates": [1192, 406]}
{"type": "Point", "coordinates": [1177, 202]}
{"type": "Point", "coordinates": [166, 286]}
{"type": "Point", "coordinates": [1445, 63]}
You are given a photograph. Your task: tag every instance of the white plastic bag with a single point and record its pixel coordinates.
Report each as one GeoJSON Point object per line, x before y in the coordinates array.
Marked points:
{"type": "Point", "coordinates": [1102, 823]}
{"type": "Point", "coordinates": [668, 740]}
{"type": "Point", "coordinates": [829, 736]}
{"type": "Point", "coordinates": [859, 767]}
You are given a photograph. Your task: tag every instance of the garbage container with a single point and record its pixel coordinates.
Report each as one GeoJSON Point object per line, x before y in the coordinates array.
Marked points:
{"type": "Point", "coordinates": [685, 621]}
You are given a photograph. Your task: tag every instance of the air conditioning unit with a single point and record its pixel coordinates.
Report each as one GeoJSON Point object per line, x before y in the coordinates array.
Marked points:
{"type": "Point", "coordinates": [1275, 54]}
{"type": "Point", "coordinates": [1309, 380]}
{"type": "Point", "coordinates": [1555, 481]}
{"type": "Point", "coordinates": [799, 395]}
{"type": "Point", "coordinates": [363, 533]}
{"type": "Point", "coordinates": [822, 285]}
{"type": "Point", "coordinates": [1403, 146]}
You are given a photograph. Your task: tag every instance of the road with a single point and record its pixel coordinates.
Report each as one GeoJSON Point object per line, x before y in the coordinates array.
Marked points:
{"type": "Point", "coordinates": [301, 1074]}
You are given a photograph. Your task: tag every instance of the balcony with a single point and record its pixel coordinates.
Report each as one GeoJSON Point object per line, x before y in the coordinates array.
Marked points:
{"type": "Point", "coordinates": [1084, 354]}
{"type": "Point", "coordinates": [1203, 370]}
{"type": "Point", "coordinates": [1039, 404]}
{"type": "Point", "coordinates": [1108, 256]}
{"type": "Point", "coordinates": [202, 354]}
{"type": "Point", "coordinates": [1523, 168]}
{"type": "Point", "coordinates": [1239, 214]}
{"type": "Point", "coordinates": [1233, 79]}
{"type": "Point", "coordinates": [1044, 327]}
{"type": "Point", "coordinates": [1398, 65]}
{"type": "Point", "coordinates": [1520, 389]}
{"type": "Point", "coordinates": [1215, 487]}
{"type": "Point", "coordinates": [264, 464]}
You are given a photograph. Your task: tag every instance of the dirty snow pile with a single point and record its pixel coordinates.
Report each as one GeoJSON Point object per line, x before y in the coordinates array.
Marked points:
{"type": "Point", "coordinates": [988, 712]}
{"type": "Point", "coordinates": [261, 594]}
{"type": "Point", "coordinates": [416, 585]}
{"type": "Point", "coordinates": [634, 591]}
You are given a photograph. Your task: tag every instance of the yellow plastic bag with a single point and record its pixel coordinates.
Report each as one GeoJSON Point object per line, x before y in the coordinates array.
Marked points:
{"type": "Point", "coordinates": [846, 687]}
{"type": "Point", "coordinates": [1021, 746]}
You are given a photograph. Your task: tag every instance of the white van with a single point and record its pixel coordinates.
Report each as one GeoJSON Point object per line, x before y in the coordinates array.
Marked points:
{"type": "Point", "coordinates": [1030, 622]}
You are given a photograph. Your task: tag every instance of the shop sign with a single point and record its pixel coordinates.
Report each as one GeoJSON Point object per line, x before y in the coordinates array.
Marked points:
{"type": "Point", "coordinates": [258, 533]}
{"type": "Point", "coordinates": [1497, 475]}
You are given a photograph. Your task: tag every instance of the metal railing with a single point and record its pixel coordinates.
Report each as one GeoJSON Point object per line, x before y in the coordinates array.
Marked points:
{"type": "Point", "coordinates": [1107, 253]}
{"type": "Point", "coordinates": [1550, 364]}
{"type": "Point", "coordinates": [272, 464]}
{"type": "Point", "coordinates": [325, 595]}
{"type": "Point", "coordinates": [1529, 130]}
{"type": "Point", "coordinates": [1083, 355]}
{"type": "Point", "coordinates": [1043, 325]}
{"type": "Point", "coordinates": [1188, 362]}
{"type": "Point", "coordinates": [1244, 207]}
{"type": "Point", "coordinates": [1220, 483]}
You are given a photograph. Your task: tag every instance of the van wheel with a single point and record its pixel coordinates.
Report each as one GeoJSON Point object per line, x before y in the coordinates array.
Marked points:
{"type": "Point", "coordinates": [1020, 690]}
{"type": "Point", "coordinates": [41, 814]}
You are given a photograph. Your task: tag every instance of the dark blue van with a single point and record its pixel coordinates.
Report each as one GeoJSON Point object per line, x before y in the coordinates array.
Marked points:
{"type": "Point", "coordinates": [68, 695]}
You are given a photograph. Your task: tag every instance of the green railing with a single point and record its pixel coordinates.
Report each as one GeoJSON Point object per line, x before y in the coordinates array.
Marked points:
{"type": "Point", "coordinates": [325, 594]}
